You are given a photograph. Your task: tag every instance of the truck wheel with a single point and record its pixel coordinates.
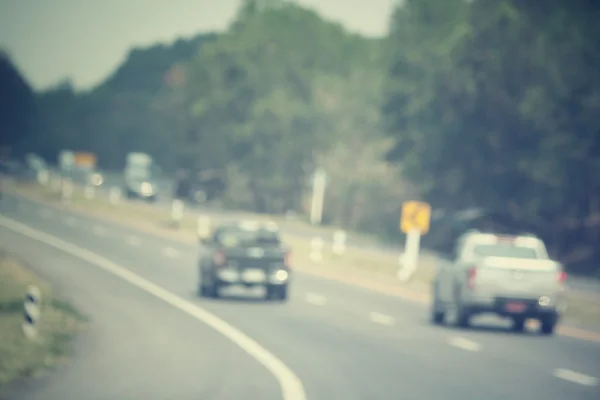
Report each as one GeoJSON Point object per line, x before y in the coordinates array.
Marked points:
{"type": "Point", "coordinates": [548, 324]}
{"type": "Point", "coordinates": [279, 292]}
{"type": "Point", "coordinates": [518, 324]}
{"type": "Point", "coordinates": [463, 319]}
{"type": "Point", "coordinates": [437, 313]}
{"type": "Point", "coordinates": [457, 316]}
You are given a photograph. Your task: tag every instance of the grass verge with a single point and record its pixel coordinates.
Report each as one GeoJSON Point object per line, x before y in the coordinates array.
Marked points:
{"type": "Point", "coordinates": [583, 310]}
{"type": "Point", "coordinates": [21, 357]}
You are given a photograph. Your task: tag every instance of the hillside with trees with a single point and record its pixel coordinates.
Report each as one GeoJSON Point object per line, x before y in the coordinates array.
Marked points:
{"type": "Point", "coordinates": [485, 104]}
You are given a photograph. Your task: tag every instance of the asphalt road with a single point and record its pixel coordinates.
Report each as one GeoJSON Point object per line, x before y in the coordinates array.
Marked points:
{"type": "Point", "coordinates": [338, 340]}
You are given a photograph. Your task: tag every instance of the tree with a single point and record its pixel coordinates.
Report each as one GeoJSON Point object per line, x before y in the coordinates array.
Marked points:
{"type": "Point", "coordinates": [18, 112]}
{"type": "Point", "coordinates": [494, 109]}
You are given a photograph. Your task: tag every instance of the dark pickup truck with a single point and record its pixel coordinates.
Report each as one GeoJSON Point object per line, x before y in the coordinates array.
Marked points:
{"type": "Point", "coordinates": [246, 254]}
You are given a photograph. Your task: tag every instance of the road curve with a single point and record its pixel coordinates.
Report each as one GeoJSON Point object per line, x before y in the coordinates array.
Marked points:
{"type": "Point", "coordinates": [339, 340]}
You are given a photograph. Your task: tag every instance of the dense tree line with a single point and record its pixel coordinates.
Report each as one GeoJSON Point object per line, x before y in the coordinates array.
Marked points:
{"type": "Point", "coordinates": [486, 103]}
{"type": "Point", "coordinates": [18, 112]}
{"type": "Point", "coordinates": [493, 104]}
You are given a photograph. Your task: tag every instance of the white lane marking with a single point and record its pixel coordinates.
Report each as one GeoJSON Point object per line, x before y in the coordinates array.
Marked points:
{"type": "Point", "coordinates": [464, 344]}
{"type": "Point", "coordinates": [315, 299]}
{"type": "Point", "coordinates": [381, 318]}
{"type": "Point", "coordinates": [99, 230]}
{"type": "Point", "coordinates": [575, 377]}
{"type": "Point", "coordinates": [290, 384]}
{"type": "Point", "coordinates": [134, 240]}
{"type": "Point", "coordinates": [70, 221]}
{"type": "Point", "coordinates": [45, 213]}
{"type": "Point", "coordinates": [170, 252]}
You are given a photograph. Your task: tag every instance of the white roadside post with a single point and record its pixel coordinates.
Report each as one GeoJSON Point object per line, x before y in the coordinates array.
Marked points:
{"type": "Point", "coordinates": [410, 258]}
{"type": "Point", "coordinates": [114, 195]}
{"type": "Point", "coordinates": [316, 249]}
{"type": "Point", "coordinates": [66, 191]}
{"type": "Point", "coordinates": [203, 227]}
{"type": "Point", "coordinates": [43, 177]}
{"type": "Point", "coordinates": [339, 242]}
{"type": "Point", "coordinates": [414, 222]}
{"type": "Point", "coordinates": [318, 196]}
{"type": "Point", "coordinates": [55, 183]}
{"type": "Point", "coordinates": [32, 305]}
{"type": "Point", "coordinates": [177, 208]}
{"type": "Point", "coordinates": [89, 192]}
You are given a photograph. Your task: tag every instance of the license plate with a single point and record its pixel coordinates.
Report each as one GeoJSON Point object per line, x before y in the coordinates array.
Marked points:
{"type": "Point", "coordinates": [515, 307]}
{"type": "Point", "coordinates": [253, 275]}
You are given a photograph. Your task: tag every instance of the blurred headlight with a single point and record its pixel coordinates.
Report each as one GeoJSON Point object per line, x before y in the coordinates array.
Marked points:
{"type": "Point", "coordinates": [97, 179]}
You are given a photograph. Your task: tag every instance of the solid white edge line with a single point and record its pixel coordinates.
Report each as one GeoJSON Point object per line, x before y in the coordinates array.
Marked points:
{"type": "Point", "coordinates": [575, 377]}
{"type": "Point", "coordinates": [290, 384]}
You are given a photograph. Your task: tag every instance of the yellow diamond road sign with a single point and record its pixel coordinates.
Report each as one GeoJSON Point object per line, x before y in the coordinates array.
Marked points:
{"type": "Point", "coordinates": [415, 215]}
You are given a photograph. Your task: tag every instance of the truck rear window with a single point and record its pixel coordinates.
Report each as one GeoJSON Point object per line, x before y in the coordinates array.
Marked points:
{"type": "Point", "coordinates": [238, 237]}
{"type": "Point", "coordinates": [505, 250]}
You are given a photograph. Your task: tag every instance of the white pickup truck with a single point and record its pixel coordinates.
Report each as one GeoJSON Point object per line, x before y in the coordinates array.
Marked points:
{"type": "Point", "coordinates": [510, 276]}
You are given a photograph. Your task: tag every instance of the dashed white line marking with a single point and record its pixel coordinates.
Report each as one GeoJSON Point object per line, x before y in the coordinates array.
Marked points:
{"type": "Point", "coordinates": [99, 230]}
{"type": "Point", "coordinates": [170, 252]}
{"type": "Point", "coordinates": [315, 299]}
{"type": "Point", "coordinates": [575, 377]}
{"type": "Point", "coordinates": [134, 241]}
{"type": "Point", "coordinates": [381, 318]}
{"type": "Point", "coordinates": [291, 386]}
{"type": "Point", "coordinates": [70, 221]}
{"type": "Point", "coordinates": [464, 344]}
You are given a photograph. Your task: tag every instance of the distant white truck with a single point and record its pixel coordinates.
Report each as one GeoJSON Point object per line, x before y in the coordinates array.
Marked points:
{"type": "Point", "coordinates": [510, 276]}
{"type": "Point", "coordinates": [139, 174]}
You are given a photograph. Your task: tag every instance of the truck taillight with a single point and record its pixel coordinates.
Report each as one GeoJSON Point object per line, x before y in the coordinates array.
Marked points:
{"type": "Point", "coordinates": [287, 259]}
{"type": "Point", "coordinates": [471, 277]}
{"type": "Point", "coordinates": [562, 277]}
{"type": "Point", "coordinates": [219, 258]}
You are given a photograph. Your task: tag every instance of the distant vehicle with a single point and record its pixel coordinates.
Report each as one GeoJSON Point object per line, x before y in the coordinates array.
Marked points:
{"type": "Point", "coordinates": [510, 276]}
{"type": "Point", "coordinates": [207, 186]}
{"type": "Point", "coordinates": [140, 177]}
{"type": "Point", "coordinates": [249, 254]}
{"type": "Point", "coordinates": [86, 176]}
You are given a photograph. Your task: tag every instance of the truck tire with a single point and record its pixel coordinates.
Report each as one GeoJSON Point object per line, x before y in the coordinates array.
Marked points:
{"type": "Point", "coordinates": [277, 292]}
{"type": "Point", "coordinates": [518, 324]}
{"type": "Point", "coordinates": [437, 313]}
{"type": "Point", "coordinates": [548, 324]}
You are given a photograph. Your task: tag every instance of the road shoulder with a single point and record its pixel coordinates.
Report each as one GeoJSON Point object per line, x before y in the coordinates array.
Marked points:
{"type": "Point", "coordinates": [30, 350]}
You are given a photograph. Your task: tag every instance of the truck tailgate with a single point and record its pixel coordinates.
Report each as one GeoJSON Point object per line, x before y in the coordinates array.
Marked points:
{"type": "Point", "coordinates": [524, 278]}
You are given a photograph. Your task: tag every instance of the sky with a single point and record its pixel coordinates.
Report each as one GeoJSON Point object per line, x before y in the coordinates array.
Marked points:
{"type": "Point", "coordinates": [85, 41]}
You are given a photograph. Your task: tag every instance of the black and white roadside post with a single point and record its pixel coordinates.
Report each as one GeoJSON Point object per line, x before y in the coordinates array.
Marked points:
{"type": "Point", "coordinates": [33, 302]}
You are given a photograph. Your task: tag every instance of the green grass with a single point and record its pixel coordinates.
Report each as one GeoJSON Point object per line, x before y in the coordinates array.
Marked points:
{"type": "Point", "coordinates": [21, 357]}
